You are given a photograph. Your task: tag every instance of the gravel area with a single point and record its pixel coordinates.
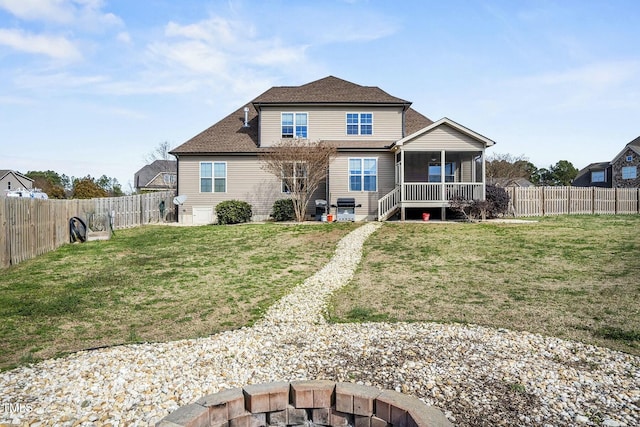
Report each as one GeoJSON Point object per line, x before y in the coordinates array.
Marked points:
{"type": "Point", "coordinates": [477, 376]}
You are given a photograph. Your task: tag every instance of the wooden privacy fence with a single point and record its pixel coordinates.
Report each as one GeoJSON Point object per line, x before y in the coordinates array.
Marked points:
{"type": "Point", "coordinates": [32, 227]}
{"type": "Point", "coordinates": [537, 201]}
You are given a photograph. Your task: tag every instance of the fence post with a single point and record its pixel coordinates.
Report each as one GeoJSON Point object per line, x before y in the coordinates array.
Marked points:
{"type": "Point", "coordinates": [4, 230]}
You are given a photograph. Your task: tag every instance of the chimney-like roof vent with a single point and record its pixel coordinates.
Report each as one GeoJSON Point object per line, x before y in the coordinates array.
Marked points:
{"type": "Point", "coordinates": [246, 117]}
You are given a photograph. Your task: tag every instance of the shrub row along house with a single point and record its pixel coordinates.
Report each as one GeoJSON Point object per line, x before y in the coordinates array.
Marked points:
{"type": "Point", "coordinates": [621, 172]}
{"type": "Point", "coordinates": [390, 158]}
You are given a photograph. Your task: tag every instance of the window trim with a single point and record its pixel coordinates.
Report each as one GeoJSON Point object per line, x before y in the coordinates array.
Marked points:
{"type": "Point", "coordinates": [604, 175]}
{"type": "Point", "coordinates": [362, 174]}
{"type": "Point", "coordinates": [358, 124]}
{"type": "Point", "coordinates": [213, 176]}
{"type": "Point", "coordinates": [629, 168]}
{"type": "Point", "coordinates": [294, 125]}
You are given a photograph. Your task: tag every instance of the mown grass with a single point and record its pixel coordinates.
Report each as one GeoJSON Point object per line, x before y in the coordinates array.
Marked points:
{"type": "Point", "coordinates": [573, 277]}
{"type": "Point", "coordinates": [154, 283]}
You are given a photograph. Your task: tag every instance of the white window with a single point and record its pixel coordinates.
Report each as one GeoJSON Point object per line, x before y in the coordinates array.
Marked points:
{"type": "Point", "coordinates": [359, 124]}
{"type": "Point", "coordinates": [213, 177]}
{"type": "Point", "coordinates": [598, 176]}
{"type": "Point", "coordinates": [629, 172]}
{"type": "Point", "coordinates": [629, 158]}
{"type": "Point", "coordinates": [169, 179]}
{"type": "Point", "coordinates": [363, 174]}
{"type": "Point", "coordinates": [294, 124]}
{"type": "Point", "coordinates": [294, 175]}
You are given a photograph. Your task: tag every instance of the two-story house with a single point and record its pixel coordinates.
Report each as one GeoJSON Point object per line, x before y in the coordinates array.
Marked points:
{"type": "Point", "coordinates": [621, 172]}
{"type": "Point", "coordinates": [390, 157]}
{"type": "Point", "coordinates": [160, 175]}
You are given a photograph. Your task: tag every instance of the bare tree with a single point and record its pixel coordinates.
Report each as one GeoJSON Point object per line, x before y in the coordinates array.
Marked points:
{"type": "Point", "coordinates": [301, 165]}
{"type": "Point", "coordinates": [507, 166]}
{"type": "Point", "coordinates": [161, 152]}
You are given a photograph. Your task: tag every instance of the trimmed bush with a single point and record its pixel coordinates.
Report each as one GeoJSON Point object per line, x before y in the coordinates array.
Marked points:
{"type": "Point", "coordinates": [233, 212]}
{"type": "Point", "coordinates": [283, 210]}
{"type": "Point", "coordinates": [498, 201]}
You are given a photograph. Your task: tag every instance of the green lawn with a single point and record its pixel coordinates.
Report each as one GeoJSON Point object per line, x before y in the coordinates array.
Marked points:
{"type": "Point", "coordinates": [154, 283]}
{"type": "Point", "coordinates": [573, 277]}
{"type": "Point", "coordinates": [570, 277]}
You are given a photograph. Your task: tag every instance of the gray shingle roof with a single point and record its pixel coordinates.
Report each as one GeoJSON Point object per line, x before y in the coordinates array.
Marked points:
{"type": "Point", "coordinates": [229, 135]}
{"type": "Point", "coordinates": [144, 176]}
{"type": "Point", "coordinates": [328, 90]}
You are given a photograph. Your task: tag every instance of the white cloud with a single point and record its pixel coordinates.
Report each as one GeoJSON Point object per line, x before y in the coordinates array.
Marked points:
{"type": "Point", "coordinates": [47, 10]}
{"type": "Point", "coordinates": [53, 46]}
{"type": "Point", "coordinates": [214, 30]}
{"type": "Point", "coordinates": [602, 86]}
{"type": "Point", "coordinates": [124, 37]}
{"type": "Point", "coordinates": [58, 81]}
{"type": "Point", "coordinates": [16, 100]}
{"type": "Point", "coordinates": [84, 13]}
{"type": "Point", "coordinates": [217, 52]}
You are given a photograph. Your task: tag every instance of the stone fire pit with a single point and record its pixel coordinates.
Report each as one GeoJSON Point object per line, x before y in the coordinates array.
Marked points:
{"type": "Point", "coordinates": [306, 403]}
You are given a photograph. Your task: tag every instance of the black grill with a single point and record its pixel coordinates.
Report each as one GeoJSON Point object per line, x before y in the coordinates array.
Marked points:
{"type": "Point", "coordinates": [346, 202]}
{"type": "Point", "coordinates": [346, 209]}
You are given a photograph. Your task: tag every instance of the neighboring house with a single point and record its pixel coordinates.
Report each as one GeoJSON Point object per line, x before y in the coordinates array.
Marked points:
{"type": "Point", "coordinates": [625, 167]}
{"type": "Point", "coordinates": [622, 172]}
{"type": "Point", "coordinates": [12, 180]}
{"type": "Point", "coordinates": [390, 157]}
{"type": "Point", "coordinates": [594, 175]}
{"type": "Point", "coordinates": [158, 176]}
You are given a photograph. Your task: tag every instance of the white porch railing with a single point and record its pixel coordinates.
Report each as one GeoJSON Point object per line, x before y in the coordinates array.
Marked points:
{"type": "Point", "coordinates": [433, 192]}
{"type": "Point", "coordinates": [467, 191]}
{"type": "Point", "coordinates": [422, 191]}
{"type": "Point", "coordinates": [388, 203]}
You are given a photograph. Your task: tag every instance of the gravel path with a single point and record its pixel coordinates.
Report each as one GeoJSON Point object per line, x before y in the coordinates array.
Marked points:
{"type": "Point", "coordinates": [478, 376]}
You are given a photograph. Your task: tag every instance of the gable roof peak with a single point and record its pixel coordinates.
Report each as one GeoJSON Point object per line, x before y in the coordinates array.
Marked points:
{"type": "Point", "coordinates": [328, 90]}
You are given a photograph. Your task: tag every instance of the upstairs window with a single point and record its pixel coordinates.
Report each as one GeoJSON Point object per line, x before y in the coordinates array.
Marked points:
{"type": "Point", "coordinates": [359, 124]}
{"type": "Point", "coordinates": [363, 174]}
{"type": "Point", "coordinates": [294, 125]}
{"type": "Point", "coordinates": [9, 185]}
{"type": "Point", "coordinates": [598, 176]}
{"type": "Point", "coordinates": [629, 172]}
{"type": "Point", "coordinates": [629, 158]}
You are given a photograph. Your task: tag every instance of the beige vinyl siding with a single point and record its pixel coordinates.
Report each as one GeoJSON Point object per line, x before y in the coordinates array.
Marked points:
{"type": "Point", "coordinates": [444, 138]}
{"type": "Point", "coordinates": [246, 181]}
{"type": "Point", "coordinates": [330, 123]}
{"type": "Point", "coordinates": [339, 181]}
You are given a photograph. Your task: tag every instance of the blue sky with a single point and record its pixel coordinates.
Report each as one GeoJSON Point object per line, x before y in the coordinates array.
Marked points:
{"type": "Point", "coordinates": [91, 86]}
